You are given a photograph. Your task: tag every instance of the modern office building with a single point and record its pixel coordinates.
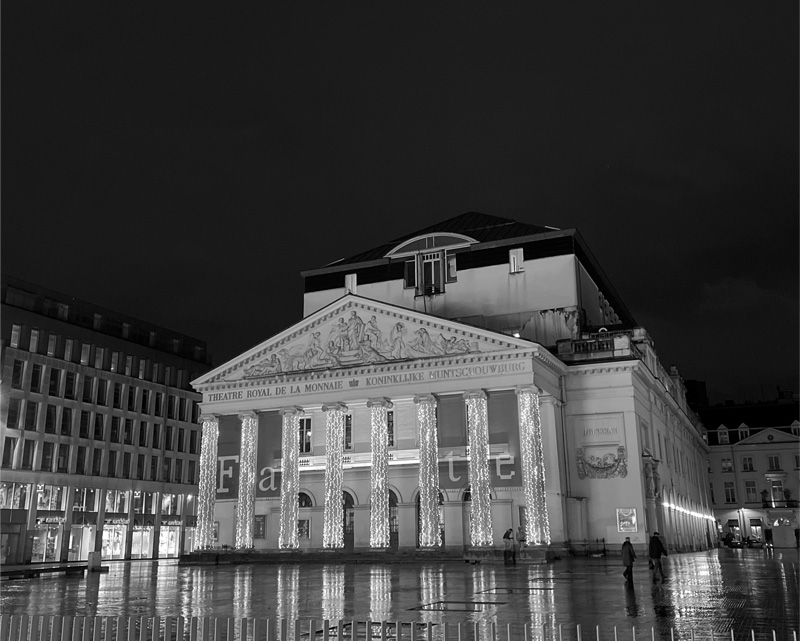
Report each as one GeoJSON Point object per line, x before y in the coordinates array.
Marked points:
{"type": "Point", "coordinates": [100, 441]}
{"type": "Point", "coordinates": [465, 378]}
{"type": "Point", "coordinates": [754, 470]}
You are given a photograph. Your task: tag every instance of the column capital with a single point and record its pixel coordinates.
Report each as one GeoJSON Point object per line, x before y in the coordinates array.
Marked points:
{"type": "Point", "coordinates": [550, 400]}
{"type": "Point", "coordinates": [519, 389]}
{"type": "Point", "coordinates": [291, 410]}
{"type": "Point", "coordinates": [425, 398]}
{"type": "Point", "coordinates": [474, 393]}
{"type": "Point", "coordinates": [334, 407]}
{"type": "Point", "coordinates": [247, 414]}
{"type": "Point", "coordinates": [380, 402]}
{"type": "Point", "coordinates": [213, 418]}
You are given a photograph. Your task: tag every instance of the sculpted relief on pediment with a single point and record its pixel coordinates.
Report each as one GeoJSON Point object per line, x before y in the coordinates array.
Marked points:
{"type": "Point", "coordinates": [348, 340]}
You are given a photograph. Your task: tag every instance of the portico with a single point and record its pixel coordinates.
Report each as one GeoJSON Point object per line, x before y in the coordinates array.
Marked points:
{"type": "Point", "coordinates": [401, 415]}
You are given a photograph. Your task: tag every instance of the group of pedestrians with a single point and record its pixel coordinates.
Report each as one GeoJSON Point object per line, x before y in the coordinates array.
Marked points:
{"type": "Point", "coordinates": [655, 551]}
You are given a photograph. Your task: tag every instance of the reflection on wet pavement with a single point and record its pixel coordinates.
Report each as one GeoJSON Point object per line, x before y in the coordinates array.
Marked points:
{"type": "Point", "coordinates": [704, 593]}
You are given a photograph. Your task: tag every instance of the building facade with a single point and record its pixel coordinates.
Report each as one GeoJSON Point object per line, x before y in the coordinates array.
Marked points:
{"type": "Point", "coordinates": [100, 442]}
{"type": "Point", "coordinates": [754, 470]}
{"type": "Point", "coordinates": [473, 376]}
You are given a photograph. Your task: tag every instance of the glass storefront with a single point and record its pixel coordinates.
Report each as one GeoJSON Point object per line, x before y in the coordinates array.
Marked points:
{"type": "Point", "coordinates": [47, 542]}
{"type": "Point", "coordinates": [81, 542]}
{"type": "Point", "coordinates": [142, 542]}
{"type": "Point", "coordinates": [169, 542]}
{"type": "Point", "coordinates": [114, 539]}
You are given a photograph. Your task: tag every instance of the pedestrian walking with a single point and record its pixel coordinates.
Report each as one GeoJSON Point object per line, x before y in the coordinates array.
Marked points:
{"type": "Point", "coordinates": [655, 552]}
{"type": "Point", "coordinates": [509, 556]}
{"type": "Point", "coordinates": [628, 557]}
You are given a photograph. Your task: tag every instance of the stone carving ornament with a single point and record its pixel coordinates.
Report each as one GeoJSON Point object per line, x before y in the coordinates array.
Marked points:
{"type": "Point", "coordinates": [349, 340]}
{"type": "Point", "coordinates": [602, 467]}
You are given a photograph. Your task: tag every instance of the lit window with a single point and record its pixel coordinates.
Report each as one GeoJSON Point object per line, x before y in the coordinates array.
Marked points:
{"type": "Point", "coordinates": [348, 432]}
{"type": "Point", "coordinates": [305, 434]}
{"type": "Point", "coordinates": [52, 340]}
{"type": "Point", "coordinates": [750, 489]}
{"type": "Point", "coordinates": [16, 330]}
{"type": "Point", "coordinates": [390, 428]}
{"type": "Point", "coordinates": [723, 437]}
{"type": "Point", "coordinates": [34, 346]}
{"type": "Point", "coordinates": [515, 261]}
{"type": "Point", "coordinates": [727, 465]}
{"type": "Point", "coordinates": [68, 344]}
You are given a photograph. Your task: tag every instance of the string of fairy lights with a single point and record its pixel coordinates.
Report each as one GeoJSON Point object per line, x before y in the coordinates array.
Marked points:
{"type": "Point", "coordinates": [480, 485]}
{"type": "Point", "coordinates": [379, 480]}
{"type": "Point", "coordinates": [332, 521]}
{"type": "Point", "coordinates": [290, 480]}
{"type": "Point", "coordinates": [245, 515]}
{"type": "Point", "coordinates": [533, 480]}
{"type": "Point", "coordinates": [429, 535]}
{"type": "Point", "coordinates": [207, 485]}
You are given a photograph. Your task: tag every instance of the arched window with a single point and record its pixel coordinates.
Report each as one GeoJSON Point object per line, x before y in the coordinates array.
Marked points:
{"type": "Point", "coordinates": [304, 500]}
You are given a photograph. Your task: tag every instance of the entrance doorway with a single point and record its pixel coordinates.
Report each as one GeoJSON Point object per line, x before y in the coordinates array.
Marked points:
{"type": "Point", "coordinates": [349, 520]}
{"type": "Point", "coordinates": [394, 537]}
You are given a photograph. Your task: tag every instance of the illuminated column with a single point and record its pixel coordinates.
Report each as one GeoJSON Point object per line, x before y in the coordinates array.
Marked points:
{"type": "Point", "coordinates": [379, 495]}
{"type": "Point", "coordinates": [332, 517]}
{"type": "Point", "coordinates": [533, 480]}
{"type": "Point", "coordinates": [245, 514]}
{"type": "Point", "coordinates": [207, 490]}
{"type": "Point", "coordinates": [429, 535]}
{"type": "Point", "coordinates": [290, 478]}
{"type": "Point", "coordinates": [479, 483]}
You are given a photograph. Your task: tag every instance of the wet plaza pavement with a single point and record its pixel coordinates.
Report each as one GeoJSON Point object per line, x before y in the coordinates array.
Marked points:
{"type": "Point", "coordinates": [705, 593]}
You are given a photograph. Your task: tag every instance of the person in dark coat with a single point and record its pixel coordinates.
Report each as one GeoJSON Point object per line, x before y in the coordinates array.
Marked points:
{"type": "Point", "coordinates": [655, 552]}
{"type": "Point", "coordinates": [628, 557]}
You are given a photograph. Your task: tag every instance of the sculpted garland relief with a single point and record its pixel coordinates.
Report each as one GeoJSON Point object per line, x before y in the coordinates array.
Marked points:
{"type": "Point", "coordinates": [351, 341]}
{"type": "Point", "coordinates": [602, 467]}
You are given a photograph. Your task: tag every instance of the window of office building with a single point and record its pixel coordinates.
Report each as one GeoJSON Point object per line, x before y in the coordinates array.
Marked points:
{"type": "Point", "coordinates": [171, 406]}
{"type": "Point", "coordinates": [115, 356]}
{"type": "Point", "coordinates": [80, 460]}
{"type": "Point", "coordinates": [193, 441]}
{"type": "Point", "coordinates": [128, 365]}
{"type": "Point", "coordinates": [99, 427]}
{"type": "Point", "coordinates": [88, 389]}
{"type": "Point", "coordinates": [145, 401]}
{"type": "Point", "coordinates": [156, 444]}
{"type": "Point", "coordinates": [182, 409]}
{"type": "Point", "coordinates": [84, 499]}
{"type": "Point", "coordinates": [117, 396]}
{"type": "Point", "coordinates": [71, 386]}
{"type": "Point", "coordinates": [52, 341]}
{"type": "Point", "coordinates": [102, 391]}
{"type": "Point", "coordinates": [131, 398]}
{"type": "Point", "coordinates": [348, 432]}
{"type": "Point", "coordinates": [117, 501]}
{"type": "Point", "coordinates": [62, 462]}
{"type": "Point", "coordinates": [140, 466]}
{"type": "Point", "coordinates": [97, 461]}
{"type": "Point", "coordinates": [9, 446]}
{"type": "Point", "coordinates": [50, 497]}
{"type": "Point", "coordinates": [178, 470]}
{"type": "Point", "coordinates": [14, 405]}
{"type": "Point", "coordinates": [33, 348]}
{"type": "Point", "coordinates": [16, 332]}
{"type": "Point", "coordinates": [166, 469]}
{"type": "Point", "coordinates": [50, 419]}
{"type": "Point", "coordinates": [154, 468]}
{"type": "Point", "coordinates": [143, 434]}
{"type": "Point", "coordinates": [142, 368]}
{"type": "Point", "coordinates": [31, 414]}
{"type": "Point", "coordinates": [46, 464]}
{"type": "Point", "coordinates": [115, 429]}
{"type": "Point", "coordinates": [36, 378]}
{"type": "Point", "coordinates": [128, 434]}
{"type": "Point", "coordinates": [181, 432]}
{"type": "Point", "coordinates": [159, 401]}
{"type": "Point", "coordinates": [54, 387]}
{"type": "Point", "coordinates": [190, 472]}
{"type": "Point", "coordinates": [18, 369]}
{"type": "Point", "coordinates": [126, 465]}
{"type": "Point", "coordinates": [168, 437]}
{"type": "Point", "coordinates": [390, 428]}
{"type": "Point", "coordinates": [28, 449]}
{"type": "Point", "coordinates": [85, 352]}
{"type": "Point", "coordinates": [68, 347]}
{"type": "Point", "coordinates": [66, 421]}
{"type": "Point", "coordinates": [99, 357]}
{"type": "Point", "coordinates": [112, 463]}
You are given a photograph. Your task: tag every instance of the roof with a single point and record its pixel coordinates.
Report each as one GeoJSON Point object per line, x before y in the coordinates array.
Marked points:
{"type": "Point", "coordinates": [481, 227]}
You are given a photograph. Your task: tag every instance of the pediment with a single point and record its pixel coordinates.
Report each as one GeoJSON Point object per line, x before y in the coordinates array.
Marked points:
{"type": "Point", "coordinates": [355, 331]}
{"type": "Point", "coordinates": [769, 436]}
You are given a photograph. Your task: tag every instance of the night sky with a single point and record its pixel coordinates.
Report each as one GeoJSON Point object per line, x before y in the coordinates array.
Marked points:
{"type": "Point", "coordinates": [183, 162]}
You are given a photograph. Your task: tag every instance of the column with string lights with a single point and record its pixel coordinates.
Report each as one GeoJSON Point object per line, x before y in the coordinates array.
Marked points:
{"type": "Point", "coordinates": [379, 480]}
{"type": "Point", "coordinates": [290, 478]}
{"type": "Point", "coordinates": [533, 479]}
{"type": "Point", "coordinates": [245, 514]}
{"type": "Point", "coordinates": [429, 534]}
{"type": "Point", "coordinates": [479, 482]}
{"type": "Point", "coordinates": [333, 516]}
{"type": "Point", "coordinates": [207, 490]}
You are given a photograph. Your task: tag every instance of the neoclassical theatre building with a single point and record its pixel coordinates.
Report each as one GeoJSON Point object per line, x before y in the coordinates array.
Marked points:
{"type": "Point", "coordinates": [477, 375]}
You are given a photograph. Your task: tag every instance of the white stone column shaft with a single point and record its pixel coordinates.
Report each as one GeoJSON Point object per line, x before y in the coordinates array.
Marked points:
{"type": "Point", "coordinates": [429, 534]}
{"type": "Point", "coordinates": [207, 490]}
{"type": "Point", "coordinates": [290, 478]}
{"type": "Point", "coordinates": [379, 494]}
{"type": "Point", "coordinates": [479, 480]}
{"type": "Point", "coordinates": [332, 517]}
{"type": "Point", "coordinates": [245, 514]}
